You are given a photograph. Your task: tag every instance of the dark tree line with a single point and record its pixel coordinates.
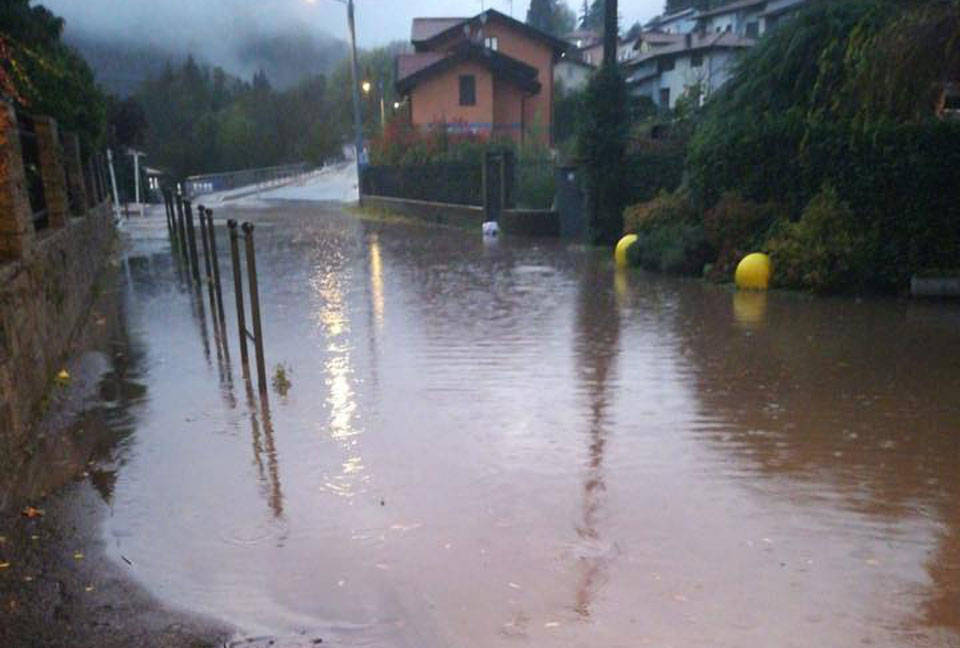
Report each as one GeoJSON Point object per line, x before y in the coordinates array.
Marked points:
{"type": "Point", "coordinates": [203, 120]}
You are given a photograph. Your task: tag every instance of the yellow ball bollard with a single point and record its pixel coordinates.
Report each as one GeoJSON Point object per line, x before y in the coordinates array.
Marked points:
{"type": "Point", "coordinates": [621, 253]}
{"type": "Point", "coordinates": [753, 272]}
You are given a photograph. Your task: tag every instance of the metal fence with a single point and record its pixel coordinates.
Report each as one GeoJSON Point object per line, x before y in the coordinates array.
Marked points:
{"type": "Point", "coordinates": [263, 177]}
{"type": "Point", "coordinates": [532, 185]}
{"type": "Point", "coordinates": [456, 183]}
{"type": "Point", "coordinates": [535, 183]}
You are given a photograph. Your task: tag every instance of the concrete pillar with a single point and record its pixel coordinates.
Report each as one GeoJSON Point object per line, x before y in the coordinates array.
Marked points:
{"type": "Point", "coordinates": [52, 171]}
{"type": "Point", "coordinates": [71, 155]}
{"type": "Point", "coordinates": [16, 219]}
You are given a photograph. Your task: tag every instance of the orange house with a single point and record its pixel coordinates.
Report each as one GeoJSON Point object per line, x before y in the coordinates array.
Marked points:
{"type": "Point", "coordinates": [488, 74]}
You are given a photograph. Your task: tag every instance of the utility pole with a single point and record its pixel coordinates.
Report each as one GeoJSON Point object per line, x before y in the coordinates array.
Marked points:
{"type": "Point", "coordinates": [136, 175]}
{"type": "Point", "coordinates": [357, 124]}
{"type": "Point", "coordinates": [383, 108]}
{"type": "Point", "coordinates": [610, 32]}
{"type": "Point", "coordinates": [113, 181]}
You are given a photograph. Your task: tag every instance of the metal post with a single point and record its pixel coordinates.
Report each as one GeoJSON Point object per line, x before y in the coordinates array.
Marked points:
{"type": "Point", "coordinates": [383, 108]}
{"type": "Point", "coordinates": [206, 263]}
{"type": "Point", "coordinates": [192, 240]}
{"type": "Point", "coordinates": [255, 306]}
{"type": "Point", "coordinates": [113, 181]}
{"type": "Point", "coordinates": [136, 174]}
{"type": "Point", "coordinates": [181, 227]}
{"type": "Point", "coordinates": [215, 262]}
{"type": "Point", "coordinates": [238, 291]}
{"type": "Point", "coordinates": [166, 209]}
{"type": "Point", "coordinates": [357, 123]}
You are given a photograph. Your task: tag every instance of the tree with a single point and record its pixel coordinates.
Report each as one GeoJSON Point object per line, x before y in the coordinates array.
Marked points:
{"type": "Point", "coordinates": [127, 122]}
{"type": "Point", "coordinates": [602, 140]}
{"type": "Point", "coordinates": [592, 18]}
{"type": "Point", "coordinates": [42, 74]}
{"type": "Point", "coordinates": [635, 30]}
{"type": "Point", "coordinates": [551, 16]}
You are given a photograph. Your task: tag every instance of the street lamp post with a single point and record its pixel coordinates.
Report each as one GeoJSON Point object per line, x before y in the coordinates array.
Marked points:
{"type": "Point", "coordinates": [357, 124]}
{"type": "Point", "coordinates": [136, 174]}
{"type": "Point", "coordinates": [383, 109]}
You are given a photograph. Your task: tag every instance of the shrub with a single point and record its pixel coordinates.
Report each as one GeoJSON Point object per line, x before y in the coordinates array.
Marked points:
{"type": "Point", "coordinates": [825, 251]}
{"type": "Point", "coordinates": [735, 227]}
{"type": "Point", "coordinates": [670, 234]}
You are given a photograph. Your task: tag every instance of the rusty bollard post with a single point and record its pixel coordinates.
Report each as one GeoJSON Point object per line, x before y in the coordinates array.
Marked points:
{"type": "Point", "coordinates": [192, 241]}
{"type": "Point", "coordinates": [208, 272]}
{"type": "Point", "coordinates": [182, 230]}
{"type": "Point", "coordinates": [166, 210]}
{"type": "Point", "coordinates": [255, 306]}
{"type": "Point", "coordinates": [215, 262]}
{"type": "Point", "coordinates": [238, 291]}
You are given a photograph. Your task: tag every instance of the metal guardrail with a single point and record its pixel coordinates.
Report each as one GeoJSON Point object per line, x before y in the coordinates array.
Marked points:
{"type": "Point", "coordinates": [213, 182]}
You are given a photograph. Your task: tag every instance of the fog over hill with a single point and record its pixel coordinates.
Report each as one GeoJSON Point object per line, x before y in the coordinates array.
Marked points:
{"type": "Point", "coordinates": [287, 56]}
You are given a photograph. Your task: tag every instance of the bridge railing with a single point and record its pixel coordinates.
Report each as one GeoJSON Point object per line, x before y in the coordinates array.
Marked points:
{"type": "Point", "coordinates": [254, 178]}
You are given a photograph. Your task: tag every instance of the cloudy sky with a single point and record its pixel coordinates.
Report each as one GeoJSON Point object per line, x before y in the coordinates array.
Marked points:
{"type": "Point", "coordinates": [203, 25]}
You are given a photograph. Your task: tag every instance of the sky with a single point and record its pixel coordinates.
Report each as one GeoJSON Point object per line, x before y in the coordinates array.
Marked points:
{"type": "Point", "coordinates": [208, 25]}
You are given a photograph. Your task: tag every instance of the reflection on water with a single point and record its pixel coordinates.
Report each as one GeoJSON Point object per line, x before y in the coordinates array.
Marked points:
{"type": "Point", "coordinates": [597, 340]}
{"type": "Point", "coordinates": [491, 445]}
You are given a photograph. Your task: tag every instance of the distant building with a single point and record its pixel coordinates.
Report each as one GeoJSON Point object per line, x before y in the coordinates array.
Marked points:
{"type": "Point", "coordinates": [682, 22]}
{"type": "Point", "coordinates": [486, 74]}
{"type": "Point", "coordinates": [666, 69]}
{"type": "Point", "coordinates": [693, 51]}
{"type": "Point", "coordinates": [571, 73]}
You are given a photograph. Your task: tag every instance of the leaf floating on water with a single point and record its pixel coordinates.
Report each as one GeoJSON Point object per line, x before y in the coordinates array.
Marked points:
{"type": "Point", "coordinates": [551, 624]}
{"type": "Point", "coordinates": [4, 565]}
{"type": "Point", "coordinates": [873, 562]}
{"type": "Point", "coordinates": [77, 555]}
{"type": "Point", "coordinates": [88, 588]}
{"type": "Point", "coordinates": [513, 585]}
{"type": "Point", "coordinates": [32, 512]}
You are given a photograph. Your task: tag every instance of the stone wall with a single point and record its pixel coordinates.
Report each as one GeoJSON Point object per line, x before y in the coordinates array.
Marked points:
{"type": "Point", "coordinates": [47, 278]}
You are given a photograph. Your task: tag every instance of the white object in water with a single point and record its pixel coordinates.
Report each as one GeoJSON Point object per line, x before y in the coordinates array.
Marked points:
{"type": "Point", "coordinates": [491, 229]}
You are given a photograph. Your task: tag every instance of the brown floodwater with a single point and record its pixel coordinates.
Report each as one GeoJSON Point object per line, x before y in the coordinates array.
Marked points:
{"type": "Point", "coordinates": [513, 444]}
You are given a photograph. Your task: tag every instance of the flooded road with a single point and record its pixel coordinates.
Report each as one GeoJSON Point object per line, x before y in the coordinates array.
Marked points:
{"type": "Point", "coordinates": [510, 444]}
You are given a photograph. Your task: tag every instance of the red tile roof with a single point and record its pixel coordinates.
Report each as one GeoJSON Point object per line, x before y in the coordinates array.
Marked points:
{"type": "Point", "coordinates": [408, 64]}
{"type": "Point", "coordinates": [426, 28]}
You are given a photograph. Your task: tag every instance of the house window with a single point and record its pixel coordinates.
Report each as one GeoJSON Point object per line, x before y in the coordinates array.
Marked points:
{"type": "Point", "coordinates": [753, 29]}
{"type": "Point", "coordinates": [491, 42]}
{"type": "Point", "coordinates": [468, 90]}
{"type": "Point", "coordinates": [666, 64]}
{"type": "Point", "coordinates": [696, 60]}
{"type": "Point", "coordinates": [664, 97]}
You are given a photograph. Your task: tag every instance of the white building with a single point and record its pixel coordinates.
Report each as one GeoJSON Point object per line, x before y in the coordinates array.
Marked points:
{"type": "Point", "coordinates": [695, 50]}
{"type": "Point", "coordinates": [681, 22]}
{"type": "Point", "coordinates": [693, 63]}
{"type": "Point", "coordinates": [571, 73]}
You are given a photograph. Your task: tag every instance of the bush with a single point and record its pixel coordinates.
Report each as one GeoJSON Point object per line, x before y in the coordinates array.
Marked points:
{"type": "Point", "coordinates": [735, 227]}
{"type": "Point", "coordinates": [670, 234]}
{"type": "Point", "coordinates": [653, 168]}
{"type": "Point", "coordinates": [825, 251]}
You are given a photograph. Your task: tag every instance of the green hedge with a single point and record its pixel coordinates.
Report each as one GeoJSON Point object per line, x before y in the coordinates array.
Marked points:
{"type": "Point", "coordinates": [900, 180]}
